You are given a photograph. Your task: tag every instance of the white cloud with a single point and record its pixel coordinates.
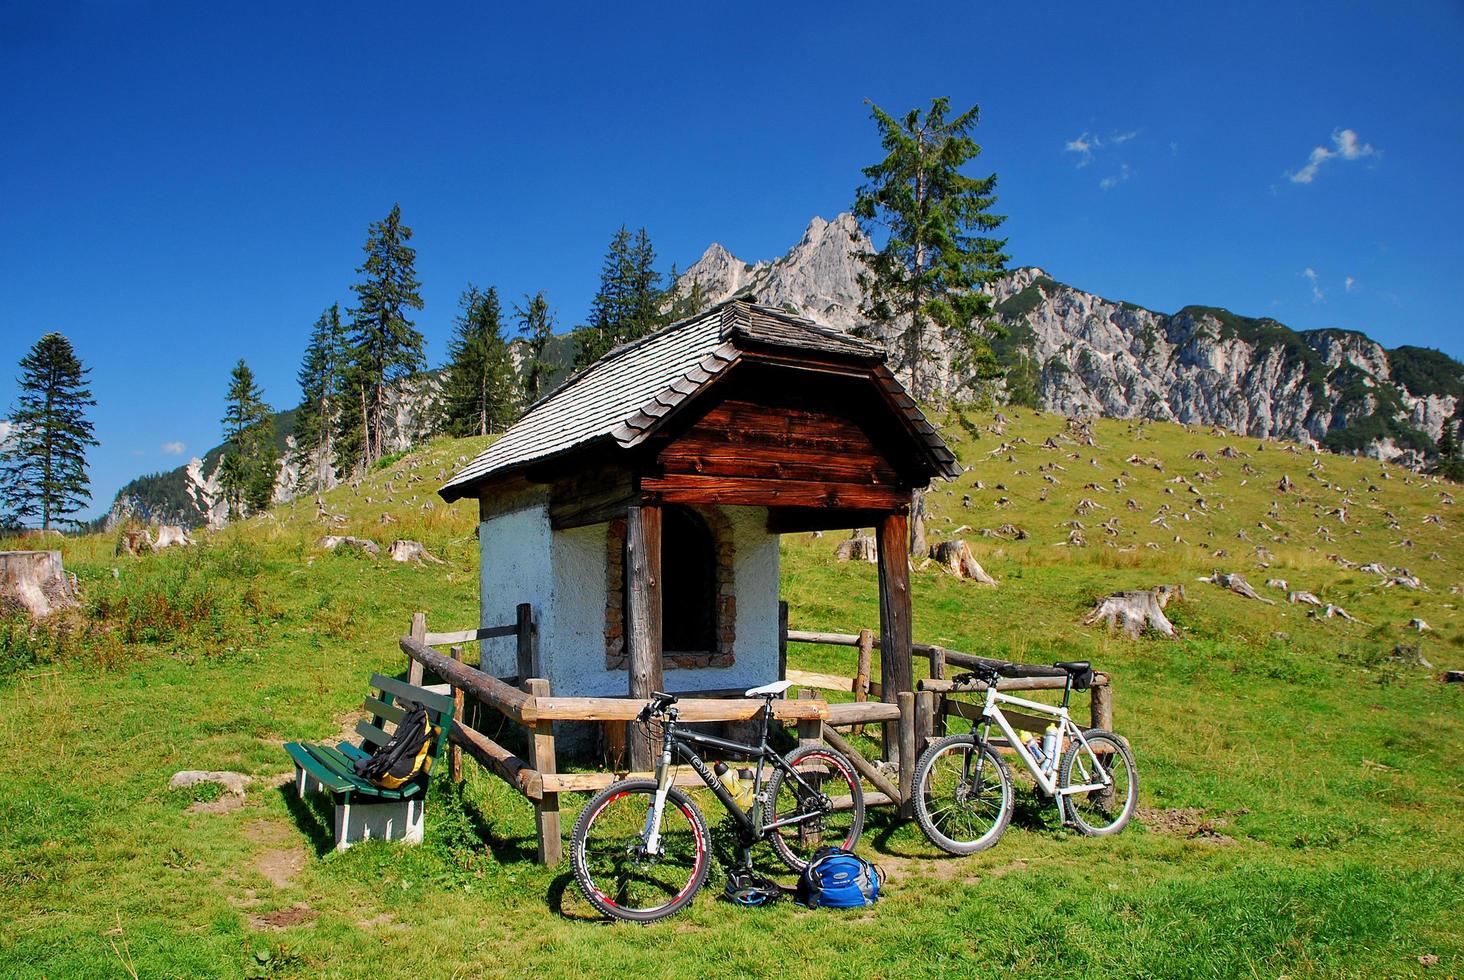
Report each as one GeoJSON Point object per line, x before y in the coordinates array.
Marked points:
{"type": "Point", "coordinates": [175, 448]}
{"type": "Point", "coordinates": [1310, 275]}
{"type": "Point", "coordinates": [1349, 284]}
{"type": "Point", "coordinates": [1088, 143]}
{"type": "Point", "coordinates": [1084, 146]}
{"type": "Point", "coordinates": [5, 429]}
{"type": "Point", "coordinates": [1109, 183]}
{"type": "Point", "coordinates": [1348, 147]}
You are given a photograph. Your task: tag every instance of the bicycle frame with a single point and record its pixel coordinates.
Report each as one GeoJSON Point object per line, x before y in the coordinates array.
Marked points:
{"type": "Point", "coordinates": [750, 823]}
{"type": "Point", "coordinates": [1048, 784]}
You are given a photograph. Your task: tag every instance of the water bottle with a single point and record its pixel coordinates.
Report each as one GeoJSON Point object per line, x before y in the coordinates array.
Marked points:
{"type": "Point", "coordinates": [739, 784]}
{"type": "Point", "coordinates": [746, 784]}
{"type": "Point", "coordinates": [1049, 747]}
{"type": "Point", "coordinates": [1035, 747]}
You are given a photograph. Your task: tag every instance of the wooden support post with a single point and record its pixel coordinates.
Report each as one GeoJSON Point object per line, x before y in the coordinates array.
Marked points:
{"type": "Point", "coordinates": [906, 701]}
{"type": "Point", "coordinates": [418, 632]}
{"type": "Point", "coordinates": [924, 720]}
{"type": "Point", "coordinates": [810, 731]}
{"type": "Point", "coordinates": [454, 750]}
{"type": "Point", "coordinates": [782, 639]}
{"type": "Point", "coordinates": [896, 673]}
{"type": "Point", "coordinates": [541, 757]}
{"type": "Point", "coordinates": [938, 672]}
{"type": "Point", "coordinates": [862, 668]}
{"type": "Point", "coordinates": [643, 629]}
{"type": "Point", "coordinates": [524, 630]}
{"type": "Point", "coordinates": [1101, 706]}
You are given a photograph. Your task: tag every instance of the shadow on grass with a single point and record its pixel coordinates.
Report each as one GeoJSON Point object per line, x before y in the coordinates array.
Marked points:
{"type": "Point", "coordinates": [505, 849]}
{"type": "Point", "coordinates": [314, 815]}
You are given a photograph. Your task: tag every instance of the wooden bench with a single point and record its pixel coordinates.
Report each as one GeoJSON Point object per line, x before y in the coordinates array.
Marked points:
{"type": "Point", "coordinates": [364, 811]}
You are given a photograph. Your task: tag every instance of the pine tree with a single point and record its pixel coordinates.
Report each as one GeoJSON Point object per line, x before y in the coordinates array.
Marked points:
{"type": "Point", "coordinates": [1450, 462]}
{"type": "Point", "coordinates": [630, 302]}
{"type": "Point", "coordinates": [385, 346]}
{"type": "Point", "coordinates": [480, 387]}
{"type": "Point", "coordinates": [322, 381]}
{"type": "Point", "coordinates": [645, 299]}
{"type": "Point", "coordinates": [683, 305]}
{"type": "Point", "coordinates": [536, 325]}
{"type": "Point", "coordinates": [936, 256]}
{"type": "Point", "coordinates": [43, 460]}
{"type": "Point", "coordinates": [247, 471]}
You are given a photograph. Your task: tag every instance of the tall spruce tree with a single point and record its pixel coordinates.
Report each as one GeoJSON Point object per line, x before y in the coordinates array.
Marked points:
{"type": "Point", "coordinates": [683, 304]}
{"type": "Point", "coordinates": [936, 254]}
{"type": "Point", "coordinates": [630, 302]}
{"type": "Point", "coordinates": [1450, 462]}
{"type": "Point", "coordinates": [480, 386]}
{"type": "Point", "coordinates": [247, 471]}
{"type": "Point", "coordinates": [536, 325]}
{"type": "Point", "coordinates": [322, 381]}
{"type": "Point", "coordinates": [385, 346]}
{"type": "Point", "coordinates": [43, 459]}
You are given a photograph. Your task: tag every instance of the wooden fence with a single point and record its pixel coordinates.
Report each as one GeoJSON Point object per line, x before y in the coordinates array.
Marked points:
{"type": "Point", "coordinates": [907, 723]}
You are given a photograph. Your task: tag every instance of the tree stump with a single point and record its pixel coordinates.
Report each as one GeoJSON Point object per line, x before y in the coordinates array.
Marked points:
{"type": "Point", "coordinates": [402, 550]}
{"type": "Point", "coordinates": [956, 558]}
{"type": "Point", "coordinates": [170, 536]}
{"type": "Point", "coordinates": [861, 547]}
{"type": "Point", "coordinates": [1136, 611]}
{"type": "Point", "coordinates": [134, 543]}
{"type": "Point", "coordinates": [35, 581]}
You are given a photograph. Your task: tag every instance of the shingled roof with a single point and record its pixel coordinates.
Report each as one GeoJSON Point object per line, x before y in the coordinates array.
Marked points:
{"type": "Point", "coordinates": [623, 397]}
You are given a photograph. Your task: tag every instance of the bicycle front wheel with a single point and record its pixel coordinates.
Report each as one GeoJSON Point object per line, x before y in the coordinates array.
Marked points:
{"type": "Point", "coordinates": [963, 797]}
{"type": "Point", "coordinates": [1099, 812]}
{"type": "Point", "coordinates": [825, 810]}
{"type": "Point", "coordinates": [615, 869]}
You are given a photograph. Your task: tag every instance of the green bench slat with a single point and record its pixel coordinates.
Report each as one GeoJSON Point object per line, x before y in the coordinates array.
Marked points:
{"type": "Point", "coordinates": [371, 733]}
{"type": "Point", "coordinates": [324, 774]}
{"type": "Point", "coordinates": [335, 767]}
{"type": "Point", "coordinates": [337, 761]}
{"type": "Point", "coordinates": [380, 709]}
{"type": "Point", "coordinates": [430, 700]}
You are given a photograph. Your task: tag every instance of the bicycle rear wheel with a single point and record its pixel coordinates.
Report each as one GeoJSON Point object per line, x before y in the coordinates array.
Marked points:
{"type": "Point", "coordinates": [832, 806]}
{"type": "Point", "coordinates": [963, 798]}
{"type": "Point", "coordinates": [1100, 812]}
{"type": "Point", "coordinates": [612, 865]}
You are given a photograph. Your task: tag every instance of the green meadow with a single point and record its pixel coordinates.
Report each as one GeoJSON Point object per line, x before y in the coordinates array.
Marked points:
{"type": "Point", "coordinates": [1300, 777]}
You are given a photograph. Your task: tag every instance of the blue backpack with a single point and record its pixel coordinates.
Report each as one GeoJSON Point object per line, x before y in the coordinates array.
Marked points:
{"type": "Point", "coordinates": [838, 879]}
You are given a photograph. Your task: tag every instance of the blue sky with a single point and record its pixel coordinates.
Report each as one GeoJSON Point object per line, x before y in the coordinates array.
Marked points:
{"type": "Point", "coordinates": [182, 185]}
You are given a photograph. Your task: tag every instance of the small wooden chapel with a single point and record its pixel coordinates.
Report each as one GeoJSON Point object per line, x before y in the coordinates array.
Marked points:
{"type": "Point", "coordinates": [638, 505]}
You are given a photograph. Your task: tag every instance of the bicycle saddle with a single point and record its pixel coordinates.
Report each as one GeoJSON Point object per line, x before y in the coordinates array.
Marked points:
{"type": "Point", "coordinates": [1081, 672]}
{"type": "Point", "coordinates": [768, 690]}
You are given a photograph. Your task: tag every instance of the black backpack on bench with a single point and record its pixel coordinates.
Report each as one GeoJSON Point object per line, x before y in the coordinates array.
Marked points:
{"type": "Point", "coordinates": [405, 754]}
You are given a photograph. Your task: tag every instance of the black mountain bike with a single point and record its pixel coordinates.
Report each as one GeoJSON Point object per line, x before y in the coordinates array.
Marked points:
{"type": "Point", "coordinates": [641, 848]}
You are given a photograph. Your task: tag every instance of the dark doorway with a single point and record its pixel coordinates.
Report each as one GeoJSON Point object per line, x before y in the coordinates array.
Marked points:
{"type": "Point", "coordinates": [689, 583]}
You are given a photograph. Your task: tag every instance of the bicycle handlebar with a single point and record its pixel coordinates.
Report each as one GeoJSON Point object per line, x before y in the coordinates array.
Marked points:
{"type": "Point", "coordinates": [658, 703]}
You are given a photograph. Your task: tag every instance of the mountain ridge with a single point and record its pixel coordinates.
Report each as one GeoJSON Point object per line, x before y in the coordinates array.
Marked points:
{"type": "Point", "coordinates": [1066, 350]}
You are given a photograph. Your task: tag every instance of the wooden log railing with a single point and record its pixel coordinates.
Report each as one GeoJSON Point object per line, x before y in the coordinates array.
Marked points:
{"type": "Point", "coordinates": [909, 721]}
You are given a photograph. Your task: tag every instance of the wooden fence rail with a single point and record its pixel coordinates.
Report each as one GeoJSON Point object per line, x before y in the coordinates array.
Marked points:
{"type": "Point", "coordinates": [909, 720]}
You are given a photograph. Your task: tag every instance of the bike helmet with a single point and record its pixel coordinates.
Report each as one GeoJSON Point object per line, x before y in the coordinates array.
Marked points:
{"type": "Point", "coordinates": [750, 889]}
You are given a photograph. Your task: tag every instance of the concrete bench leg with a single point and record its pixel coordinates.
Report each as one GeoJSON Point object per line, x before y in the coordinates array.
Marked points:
{"type": "Point", "coordinates": [306, 784]}
{"type": "Point", "coordinates": [399, 820]}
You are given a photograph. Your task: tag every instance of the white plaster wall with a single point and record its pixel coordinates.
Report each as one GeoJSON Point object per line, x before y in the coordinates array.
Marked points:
{"type": "Point", "coordinates": [513, 566]}
{"type": "Point", "coordinates": [563, 575]}
{"type": "Point", "coordinates": [572, 636]}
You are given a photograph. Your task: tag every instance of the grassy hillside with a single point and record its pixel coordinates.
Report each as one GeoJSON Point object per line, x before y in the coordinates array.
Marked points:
{"type": "Point", "coordinates": [1298, 782]}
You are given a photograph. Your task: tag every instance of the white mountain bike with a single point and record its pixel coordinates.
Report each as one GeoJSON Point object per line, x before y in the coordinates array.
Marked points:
{"type": "Point", "coordinates": [963, 789]}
